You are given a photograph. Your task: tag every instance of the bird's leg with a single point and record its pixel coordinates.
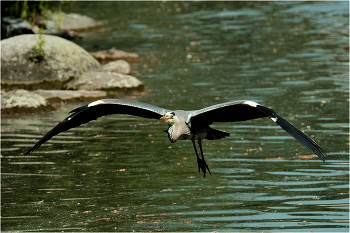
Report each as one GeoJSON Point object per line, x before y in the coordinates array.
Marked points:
{"type": "Point", "coordinates": [202, 165]}
{"type": "Point", "coordinates": [203, 160]}
{"type": "Point", "coordinates": [198, 159]}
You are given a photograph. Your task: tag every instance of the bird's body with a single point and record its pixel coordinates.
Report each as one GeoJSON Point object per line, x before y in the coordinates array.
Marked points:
{"type": "Point", "coordinates": [181, 128]}
{"type": "Point", "coordinates": [182, 125]}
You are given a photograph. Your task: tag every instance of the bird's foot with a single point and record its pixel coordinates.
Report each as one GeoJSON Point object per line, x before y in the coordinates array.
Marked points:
{"type": "Point", "coordinates": [202, 165]}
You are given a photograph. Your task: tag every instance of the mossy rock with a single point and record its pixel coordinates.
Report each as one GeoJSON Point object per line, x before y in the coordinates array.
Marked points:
{"type": "Point", "coordinates": [62, 61]}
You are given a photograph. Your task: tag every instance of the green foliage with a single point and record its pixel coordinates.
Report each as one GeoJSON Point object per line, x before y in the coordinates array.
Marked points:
{"type": "Point", "coordinates": [38, 52]}
{"type": "Point", "coordinates": [32, 11]}
{"type": "Point", "coordinates": [60, 18]}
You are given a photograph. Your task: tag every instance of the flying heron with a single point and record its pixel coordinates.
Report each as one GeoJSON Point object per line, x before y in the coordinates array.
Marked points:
{"type": "Point", "coordinates": [183, 125]}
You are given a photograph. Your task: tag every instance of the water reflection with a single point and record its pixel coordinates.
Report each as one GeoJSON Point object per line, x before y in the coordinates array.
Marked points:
{"type": "Point", "coordinates": [120, 173]}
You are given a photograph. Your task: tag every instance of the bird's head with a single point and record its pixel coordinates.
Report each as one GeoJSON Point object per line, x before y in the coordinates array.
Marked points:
{"type": "Point", "coordinates": [169, 118]}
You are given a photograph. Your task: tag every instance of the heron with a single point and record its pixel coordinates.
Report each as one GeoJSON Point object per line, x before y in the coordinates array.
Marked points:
{"type": "Point", "coordinates": [183, 125]}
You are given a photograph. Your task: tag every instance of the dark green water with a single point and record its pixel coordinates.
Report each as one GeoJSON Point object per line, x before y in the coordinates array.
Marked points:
{"type": "Point", "coordinates": [121, 173]}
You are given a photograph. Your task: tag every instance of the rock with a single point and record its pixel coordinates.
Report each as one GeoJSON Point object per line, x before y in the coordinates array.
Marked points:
{"type": "Point", "coordinates": [63, 60]}
{"type": "Point", "coordinates": [119, 66]}
{"type": "Point", "coordinates": [113, 54]}
{"type": "Point", "coordinates": [65, 25]}
{"type": "Point", "coordinates": [60, 24]}
{"type": "Point", "coordinates": [19, 101]}
{"type": "Point", "coordinates": [13, 27]}
{"type": "Point", "coordinates": [69, 35]}
{"type": "Point", "coordinates": [108, 81]}
{"type": "Point", "coordinates": [75, 22]}
{"type": "Point", "coordinates": [65, 95]}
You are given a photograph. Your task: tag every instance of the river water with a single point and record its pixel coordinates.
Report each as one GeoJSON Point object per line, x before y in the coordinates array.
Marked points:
{"type": "Point", "coordinates": [120, 173]}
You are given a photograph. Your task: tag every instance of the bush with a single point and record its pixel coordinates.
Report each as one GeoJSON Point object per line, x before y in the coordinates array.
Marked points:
{"type": "Point", "coordinates": [32, 11]}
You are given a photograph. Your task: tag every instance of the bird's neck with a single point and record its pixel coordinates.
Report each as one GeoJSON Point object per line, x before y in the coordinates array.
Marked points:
{"type": "Point", "coordinates": [173, 121]}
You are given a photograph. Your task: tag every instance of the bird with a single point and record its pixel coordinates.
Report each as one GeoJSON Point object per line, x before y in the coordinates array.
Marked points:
{"type": "Point", "coordinates": [183, 125]}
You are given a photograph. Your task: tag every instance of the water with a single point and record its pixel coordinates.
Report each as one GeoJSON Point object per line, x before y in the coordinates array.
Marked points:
{"type": "Point", "coordinates": [120, 173]}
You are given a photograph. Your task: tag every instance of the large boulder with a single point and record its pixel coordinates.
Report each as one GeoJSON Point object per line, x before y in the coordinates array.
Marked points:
{"type": "Point", "coordinates": [108, 81]}
{"type": "Point", "coordinates": [19, 101]}
{"type": "Point", "coordinates": [63, 60]}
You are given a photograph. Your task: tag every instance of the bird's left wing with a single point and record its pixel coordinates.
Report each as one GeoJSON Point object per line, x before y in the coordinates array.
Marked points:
{"type": "Point", "coordinates": [98, 109]}
{"type": "Point", "coordinates": [226, 112]}
{"type": "Point", "coordinates": [248, 110]}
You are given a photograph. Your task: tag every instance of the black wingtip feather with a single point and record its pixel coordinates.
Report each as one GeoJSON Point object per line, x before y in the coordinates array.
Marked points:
{"type": "Point", "coordinates": [295, 133]}
{"type": "Point", "coordinates": [57, 129]}
{"type": "Point", "coordinates": [302, 138]}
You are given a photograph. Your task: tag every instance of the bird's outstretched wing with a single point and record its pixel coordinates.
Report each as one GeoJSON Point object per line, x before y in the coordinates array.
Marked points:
{"type": "Point", "coordinates": [247, 110]}
{"type": "Point", "coordinates": [98, 109]}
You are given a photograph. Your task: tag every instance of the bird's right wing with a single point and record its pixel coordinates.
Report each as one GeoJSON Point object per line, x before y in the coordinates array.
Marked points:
{"type": "Point", "coordinates": [98, 109]}
{"type": "Point", "coordinates": [248, 110]}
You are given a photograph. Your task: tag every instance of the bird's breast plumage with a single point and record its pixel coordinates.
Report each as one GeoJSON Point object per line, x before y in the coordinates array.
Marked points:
{"type": "Point", "coordinates": [179, 131]}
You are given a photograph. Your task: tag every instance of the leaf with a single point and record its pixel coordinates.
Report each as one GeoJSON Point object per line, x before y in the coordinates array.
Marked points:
{"type": "Point", "coordinates": [307, 156]}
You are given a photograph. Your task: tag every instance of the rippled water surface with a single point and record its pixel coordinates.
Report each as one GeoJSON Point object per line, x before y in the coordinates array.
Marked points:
{"type": "Point", "coordinates": [120, 173]}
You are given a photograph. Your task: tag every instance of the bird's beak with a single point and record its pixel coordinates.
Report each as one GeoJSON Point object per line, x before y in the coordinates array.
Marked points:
{"type": "Point", "coordinates": [163, 118]}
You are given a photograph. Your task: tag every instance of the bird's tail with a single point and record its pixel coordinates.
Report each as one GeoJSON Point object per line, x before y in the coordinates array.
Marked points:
{"type": "Point", "coordinates": [216, 134]}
